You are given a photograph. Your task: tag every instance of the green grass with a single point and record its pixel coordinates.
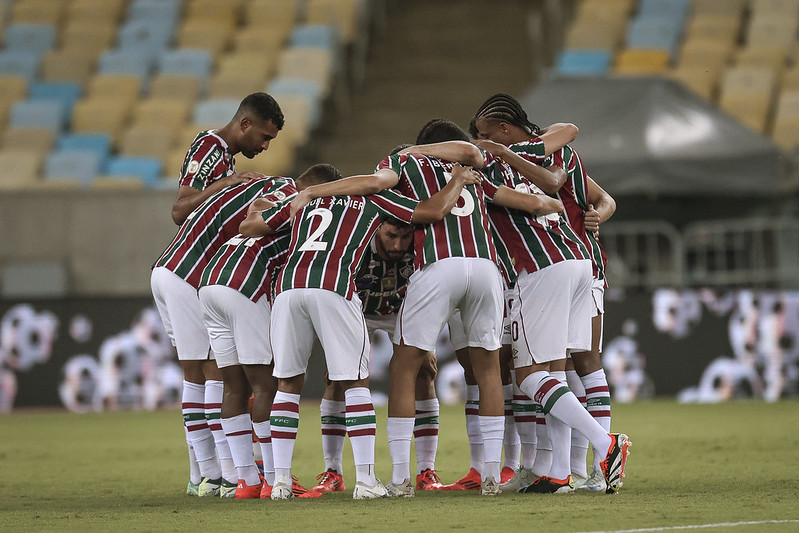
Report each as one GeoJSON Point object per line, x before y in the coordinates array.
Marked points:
{"type": "Point", "coordinates": [689, 465]}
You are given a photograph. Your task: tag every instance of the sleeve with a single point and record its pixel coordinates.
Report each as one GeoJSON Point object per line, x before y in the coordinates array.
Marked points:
{"type": "Point", "coordinates": [394, 204]}
{"type": "Point", "coordinates": [202, 165]}
{"type": "Point", "coordinates": [493, 177]}
{"type": "Point", "coordinates": [393, 162]}
{"type": "Point", "coordinates": [532, 150]}
{"type": "Point", "coordinates": [277, 217]}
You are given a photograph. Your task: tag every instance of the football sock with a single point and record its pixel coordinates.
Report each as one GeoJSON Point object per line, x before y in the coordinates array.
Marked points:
{"type": "Point", "coordinates": [400, 431]}
{"type": "Point", "coordinates": [194, 468]}
{"type": "Point", "coordinates": [492, 429]}
{"type": "Point", "coordinates": [511, 441]}
{"type": "Point", "coordinates": [473, 427]}
{"type": "Point", "coordinates": [263, 431]}
{"type": "Point", "coordinates": [543, 447]}
{"type": "Point", "coordinates": [284, 421]}
{"type": "Point", "coordinates": [202, 441]}
{"type": "Point", "coordinates": [560, 437]}
{"type": "Point", "coordinates": [334, 432]}
{"type": "Point", "coordinates": [238, 431]}
{"type": "Point", "coordinates": [579, 444]}
{"type": "Point", "coordinates": [213, 415]}
{"type": "Point", "coordinates": [524, 413]}
{"type": "Point", "coordinates": [597, 398]}
{"type": "Point", "coordinates": [361, 427]}
{"type": "Point", "coordinates": [425, 434]}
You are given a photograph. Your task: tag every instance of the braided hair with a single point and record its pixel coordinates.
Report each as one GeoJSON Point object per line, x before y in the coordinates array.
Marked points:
{"type": "Point", "coordinates": [505, 108]}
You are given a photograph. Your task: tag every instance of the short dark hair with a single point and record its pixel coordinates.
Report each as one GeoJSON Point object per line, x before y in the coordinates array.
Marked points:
{"type": "Point", "coordinates": [441, 130]}
{"type": "Point", "coordinates": [264, 107]}
{"type": "Point", "coordinates": [400, 147]}
{"type": "Point", "coordinates": [505, 108]}
{"type": "Point", "coordinates": [320, 173]}
{"type": "Point", "coordinates": [397, 223]}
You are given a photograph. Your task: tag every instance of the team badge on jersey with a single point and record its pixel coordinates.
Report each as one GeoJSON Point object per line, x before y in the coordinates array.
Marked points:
{"type": "Point", "coordinates": [280, 195]}
{"type": "Point", "coordinates": [193, 167]}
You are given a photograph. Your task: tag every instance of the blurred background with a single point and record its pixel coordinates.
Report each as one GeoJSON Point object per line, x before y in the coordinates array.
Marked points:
{"type": "Point", "coordinates": [688, 113]}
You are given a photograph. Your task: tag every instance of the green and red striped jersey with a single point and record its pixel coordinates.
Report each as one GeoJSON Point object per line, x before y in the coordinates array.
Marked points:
{"type": "Point", "coordinates": [207, 160]}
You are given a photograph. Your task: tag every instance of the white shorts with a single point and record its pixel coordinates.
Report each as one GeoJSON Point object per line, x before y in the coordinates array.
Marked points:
{"type": "Point", "coordinates": [300, 316]}
{"type": "Point", "coordinates": [238, 327]}
{"type": "Point", "coordinates": [387, 323]}
{"type": "Point", "coordinates": [182, 315]}
{"type": "Point", "coordinates": [598, 294]}
{"type": "Point", "coordinates": [457, 335]}
{"type": "Point", "coordinates": [434, 293]}
{"type": "Point", "coordinates": [552, 312]}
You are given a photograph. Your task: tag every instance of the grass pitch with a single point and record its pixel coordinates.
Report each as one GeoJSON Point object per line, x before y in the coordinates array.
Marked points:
{"type": "Point", "coordinates": [733, 465]}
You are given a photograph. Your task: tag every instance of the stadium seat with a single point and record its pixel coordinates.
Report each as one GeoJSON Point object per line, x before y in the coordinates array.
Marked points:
{"type": "Point", "coordinates": [36, 38]}
{"type": "Point", "coordinates": [205, 35]}
{"type": "Point", "coordinates": [700, 51]}
{"type": "Point", "coordinates": [172, 86]}
{"type": "Point", "coordinates": [67, 65]}
{"type": "Point", "coordinates": [271, 14]}
{"type": "Point", "coordinates": [314, 36]}
{"type": "Point", "coordinates": [725, 27]}
{"type": "Point", "coordinates": [345, 15]}
{"type": "Point", "coordinates": [277, 161]}
{"type": "Point", "coordinates": [790, 78]}
{"type": "Point", "coordinates": [775, 31]}
{"type": "Point", "coordinates": [38, 12]}
{"type": "Point", "coordinates": [187, 62]}
{"type": "Point", "coordinates": [12, 88]}
{"type": "Point", "coordinates": [78, 165]}
{"type": "Point", "coordinates": [307, 89]}
{"type": "Point", "coordinates": [117, 182]}
{"type": "Point", "coordinates": [20, 166]}
{"type": "Point", "coordinates": [119, 86]}
{"type": "Point", "coordinates": [641, 61]}
{"type": "Point", "coordinates": [225, 14]}
{"type": "Point", "coordinates": [154, 10]}
{"type": "Point", "coordinates": [173, 112]}
{"type": "Point", "coordinates": [107, 115]}
{"type": "Point", "coordinates": [786, 132]}
{"type": "Point", "coordinates": [98, 143]}
{"type": "Point", "coordinates": [66, 92]}
{"type": "Point", "coordinates": [700, 79]}
{"type": "Point", "coordinates": [572, 62]}
{"type": "Point", "coordinates": [129, 61]}
{"type": "Point", "coordinates": [590, 35]}
{"type": "Point", "coordinates": [19, 63]}
{"type": "Point", "coordinates": [297, 113]}
{"type": "Point", "coordinates": [672, 10]}
{"type": "Point", "coordinates": [747, 93]}
{"type": "Point", "coordinates": [313, 64]}
{"type": "Point", "coordinates": [39, 139]}
{"type": "Point", "coordinates": [147, 38]}
{"type": "Point", "coordinates": [716, 7]}
{"type": "Point", "coordinates": [775, 58]}
{"type": "Point", "coordinates": [48, 114]}
{"type": "Point", "coordinates": [147, 169]}
{"type": "Point", "coordinates": [267, 41]}
{"type": "Point", "coordinates": [110, 10]}
{"type": "Point", "coordinates": [215, 112]}
{"type": "Point", "coordinates": [235, 85]}
{"type": "Point", "coordinates": [651, 32]}
{"type": "Point", "coordinates": [90, 37]}
{"type": "Point", "coordinates": [148, 140]}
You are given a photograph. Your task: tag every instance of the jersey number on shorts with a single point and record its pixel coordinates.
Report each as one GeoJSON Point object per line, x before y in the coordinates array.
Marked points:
{"type": "Point", "coordinates": [468, 201]}
{"type": "Point", "coordinates": [312, 244]}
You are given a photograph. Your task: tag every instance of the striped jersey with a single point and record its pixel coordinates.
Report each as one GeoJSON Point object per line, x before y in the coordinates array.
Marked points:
{"type": "Point", "coordinates": [464, 231]}
{"type": "Point", "coordinates": [329, 237]}
{"type": "Point", "coordinates": [574, 195]}
{"type": "Point", "coordinates": [382, 284]}
{"type": "Point", "coordinates": [247, 264]}
{"type": "Point", "coordinates": [533, 243]}
{"type": "Point", "coordinates": [207, 160]}
{"type": "Point", "coordinates": [209, 226]}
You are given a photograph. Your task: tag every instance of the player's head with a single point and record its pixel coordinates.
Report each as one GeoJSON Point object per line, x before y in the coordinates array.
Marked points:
{"type": "Point", "coordinates": [441, 130]}
{"type": "Point", "coordinates": [502, 119]}
{"type": "Point", "coordinates": [393, 239]}
{"type": "Point", "coordinates": [319, 173]}
{"type": "Point", "coordinates": [400, 147]}
{"type": "Point", "coordinates": [257, 121]}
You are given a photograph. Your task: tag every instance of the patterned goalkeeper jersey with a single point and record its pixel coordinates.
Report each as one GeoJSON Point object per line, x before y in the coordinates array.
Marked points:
{"type": "Point", "coordinates": [381, 284]}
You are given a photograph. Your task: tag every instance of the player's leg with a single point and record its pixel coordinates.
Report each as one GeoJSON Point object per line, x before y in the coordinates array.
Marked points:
{"type": "Point", "coordinates": [512, 442]}
{"type": "Point", "coordinates": [334, 431]}
{"type": "Point", "coordinates": [425, 431]}
{"type": "Point", "coordinates": [578, 457]}
{"type": "Point", "coordinates": [264, 388]}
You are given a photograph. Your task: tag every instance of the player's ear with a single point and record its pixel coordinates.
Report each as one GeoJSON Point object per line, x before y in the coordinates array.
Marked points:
{"type": "Point", "coordinates": [245, 123]}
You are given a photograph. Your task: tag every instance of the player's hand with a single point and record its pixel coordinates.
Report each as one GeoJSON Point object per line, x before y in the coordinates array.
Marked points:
{"type": "Point", "coordinates": [491, 147]}
{"type": "Point", "coordinates": [298, 202]}
{"type": "Point", "coordinates": [260, 204]}
{"type": "Point", "coordinates": [592, 220]}
{"type": "Point", "coordinates": [467, 175]}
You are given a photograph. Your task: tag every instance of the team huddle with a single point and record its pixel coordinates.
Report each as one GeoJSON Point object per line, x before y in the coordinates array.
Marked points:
{"type": "Point", "coordinates": [495, 238]}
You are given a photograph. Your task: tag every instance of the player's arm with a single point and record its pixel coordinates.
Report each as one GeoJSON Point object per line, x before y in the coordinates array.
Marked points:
{"type": "Point", "coordinates": [189, 198]}
{"type": "Point", "coordinates": [601, 206]}
{"type": "Point", "coordinates": [461, 152]}
{"type": "Point", "coordinates": [549, 179]}
{"type": "Point", "coordinates": [254, 224]}
{"type": "Point", "coordinates": [441, 203]}
{"type": "Point", "coordinates": [535, 204]}
{"type": "Point", "coordinates": [361, 185]}
{"type": "Point", "coordinates": [558, 135]}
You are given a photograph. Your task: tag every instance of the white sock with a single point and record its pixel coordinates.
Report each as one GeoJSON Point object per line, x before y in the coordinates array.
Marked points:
{"type": "Point", "coordinates": [238, 431]}
{"type": "Point", "coordinates": [492, 429]}
{"type": "Point", "coordinates": [213, 414]}
{"type": "Point", "coordinates": [334, 432]}
{"type": "Point", "coordinates": [361, 427]}
{"type": "Point", "coordinates": [476, 456]}
{"type": "Point", "coordinates": [263, 431]}
{"type": "Point", "coordinates": [400, 431]}
{"type": "Point", "coordinates": [511, 441]}
{"type": "Point", "coordinates": [284, 421]}
{"type": "Point", "coordinates": [425, 434]}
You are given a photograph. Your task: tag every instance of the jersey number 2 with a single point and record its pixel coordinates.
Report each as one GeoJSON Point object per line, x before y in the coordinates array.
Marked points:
{"type": "Point", "coordinates": [312, 244]}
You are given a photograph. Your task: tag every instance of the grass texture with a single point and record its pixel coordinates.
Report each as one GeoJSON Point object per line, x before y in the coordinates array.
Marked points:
{"type": "Point", "coordinates": [734, 466]}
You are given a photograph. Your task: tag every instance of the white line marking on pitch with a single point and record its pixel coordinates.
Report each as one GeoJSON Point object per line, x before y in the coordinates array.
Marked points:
{"type": "Point", "coordinates": [697, 526]}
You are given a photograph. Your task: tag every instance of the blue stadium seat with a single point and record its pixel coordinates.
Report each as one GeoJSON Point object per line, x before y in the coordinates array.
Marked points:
{"type": "Point", "coordinates": [36, 38]}
{"type": "Point", "coordinates": [66, 92]}
{"type": "Point", "coordinates": [82, 165]}
{"type": "Point", "coordinates": [314, 36]}
{"type": "Point", "coordinates": [672, 10]}
{"type": "Point", "coordinates": [48, 114]}
{"type": "Point", "coordinates": [146, 37]}
{"type": "Point", "coordinates": [126, 61]}
{"type": "Point", "coordinates": [154, 10]}
{"type": "Point", "coordinates": [186, 62]}
{"type": "Point", "coordinates": [147, 169]}
{"type": "Point", "coordinates": [20, 63]}
{"type": "Point", "coordinates": [217, 111]}
{"type": "Point", "coordinates": [299, 87]}
{"type": "Point", "coordinates": [99, 143]}
{"type": "Point", "coordinates": [583, 63]}
{"type": "Point", "coordinates": [654, 32]}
